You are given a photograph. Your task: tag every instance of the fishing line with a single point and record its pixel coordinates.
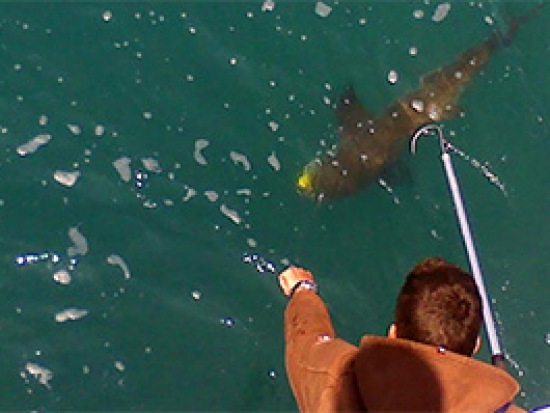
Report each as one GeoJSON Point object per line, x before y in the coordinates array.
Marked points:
{"type": "Point", "coordinates": [482, 167]}
{"type": "Point", "coordinates": [475, 163]}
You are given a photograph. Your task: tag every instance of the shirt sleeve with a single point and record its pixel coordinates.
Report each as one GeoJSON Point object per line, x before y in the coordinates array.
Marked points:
{"type": "Point", "coordinates": [306, 318]}
{"type": "Point", "coordinates": [316, 361]}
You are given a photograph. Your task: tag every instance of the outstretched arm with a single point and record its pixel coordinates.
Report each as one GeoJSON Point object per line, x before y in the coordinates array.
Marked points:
{"type": "Point", "coordinates": [306, 316]}
{"type": "Point", "coordinates": [315, 359]}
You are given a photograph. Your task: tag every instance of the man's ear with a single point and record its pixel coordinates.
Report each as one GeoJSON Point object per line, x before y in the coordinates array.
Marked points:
{"type": "Point", "coordinates": [392, 331]}
{"type": "Point", "coordinates": [477, 346]}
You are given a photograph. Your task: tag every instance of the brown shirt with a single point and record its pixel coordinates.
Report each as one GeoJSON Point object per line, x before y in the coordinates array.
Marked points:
{"type": "Point", "coordinates": [383, 375]}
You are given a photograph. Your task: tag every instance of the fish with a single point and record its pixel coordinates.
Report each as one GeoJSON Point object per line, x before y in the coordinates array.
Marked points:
{"type": "Point", "coordinates": [370, 144]}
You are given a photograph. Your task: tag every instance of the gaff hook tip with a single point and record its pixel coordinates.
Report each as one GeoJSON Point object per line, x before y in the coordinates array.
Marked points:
{"type": "Point", "coordinates": [426, 130]}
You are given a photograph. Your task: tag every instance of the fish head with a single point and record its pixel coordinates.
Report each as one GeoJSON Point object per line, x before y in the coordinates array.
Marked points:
{"type": "Point", "coordinates": [307, 181]}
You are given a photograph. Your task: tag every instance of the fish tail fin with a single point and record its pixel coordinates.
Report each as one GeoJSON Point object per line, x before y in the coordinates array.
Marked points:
{"type": "Point", "coordinates": [504, 38]}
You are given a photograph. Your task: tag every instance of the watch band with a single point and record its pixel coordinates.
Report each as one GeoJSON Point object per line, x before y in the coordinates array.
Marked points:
{"type": "Point", "coordinates": [306, 285]}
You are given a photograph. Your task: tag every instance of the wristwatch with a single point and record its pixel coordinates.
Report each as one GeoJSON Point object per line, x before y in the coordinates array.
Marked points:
{"type": "Point", "coordinates": [304, 285]}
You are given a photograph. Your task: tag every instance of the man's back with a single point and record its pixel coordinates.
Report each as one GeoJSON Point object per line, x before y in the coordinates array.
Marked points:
{"type": "Point", "coordinates": [402, 375]}
{"type": "Point", "coordinates": [383, 375]}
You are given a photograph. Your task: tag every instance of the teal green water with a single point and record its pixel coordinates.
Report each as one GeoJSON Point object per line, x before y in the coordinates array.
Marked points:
{"type": "Point", "coordinates": [190, 326]}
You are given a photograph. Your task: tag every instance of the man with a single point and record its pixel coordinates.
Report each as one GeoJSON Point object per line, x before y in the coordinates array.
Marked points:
{"type": "Point", "coordinates": [423, 364]}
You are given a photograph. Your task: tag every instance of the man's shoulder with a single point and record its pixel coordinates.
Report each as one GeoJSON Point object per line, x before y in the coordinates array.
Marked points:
{"type": "Point", "coordinates": [332, 354]}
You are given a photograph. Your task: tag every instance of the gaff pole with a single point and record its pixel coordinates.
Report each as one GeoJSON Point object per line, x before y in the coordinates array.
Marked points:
{"type": "Point", "coordinates": [497, 357]}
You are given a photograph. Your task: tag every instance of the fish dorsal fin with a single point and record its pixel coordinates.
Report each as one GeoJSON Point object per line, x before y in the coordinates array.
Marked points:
{"type": "Point", "coordinates": [352, 115]}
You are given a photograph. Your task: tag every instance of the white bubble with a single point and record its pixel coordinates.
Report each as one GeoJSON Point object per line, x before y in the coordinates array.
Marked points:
{"type": "Point", "coordinates": [228, 322]}
{"type": "Point", "coordinates": [75, 129]}
{"type": "Point", "coordinates": [99, 130]}
{"type": "Point", "coordinates": [322, 9]}
{"type": "Point", "coordinates": [191, 192]}
{"type": "Point", "coordinates": [244, 192]}
{"type": "Point", "coordinates": [119, 365]}
{"type": "Point", "coordinates": [393, 77]}
{"type": "Point", "coordinates": [268, 5]}
{"type": "Point", "coordinates": [418, 14]}
{"type": "Point", "coordinates": [274, 126]}
{"type": "Point", "coordinates": [62, 277]}
{"type": "Point", "coordinates": [417, 105]}
{"type": "Point", "coordinates": [212, 196]}
{"type": "Point", "coordinates": [107, 15]}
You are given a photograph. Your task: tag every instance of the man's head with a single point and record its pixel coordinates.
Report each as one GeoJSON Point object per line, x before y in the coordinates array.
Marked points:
{"type": "Point", "coordinates": [439, 304]}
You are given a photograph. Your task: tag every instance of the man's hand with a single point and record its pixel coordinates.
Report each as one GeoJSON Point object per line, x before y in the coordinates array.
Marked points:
{"type": "Point", "coordinates": [292, 276]}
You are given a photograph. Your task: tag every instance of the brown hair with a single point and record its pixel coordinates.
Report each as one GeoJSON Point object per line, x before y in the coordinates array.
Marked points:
{"type": "Point", "coordinates": [439, 304]}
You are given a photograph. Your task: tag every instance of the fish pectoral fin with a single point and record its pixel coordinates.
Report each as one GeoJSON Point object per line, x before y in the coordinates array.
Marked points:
{"type": "Point", "coordinates": [352, 115]}
{"type": "Point", "coordinates": [398, 174]}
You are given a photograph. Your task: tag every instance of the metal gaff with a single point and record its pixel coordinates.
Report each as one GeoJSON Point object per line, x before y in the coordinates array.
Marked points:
{"type": "Point", "coordinates": [488, 319]}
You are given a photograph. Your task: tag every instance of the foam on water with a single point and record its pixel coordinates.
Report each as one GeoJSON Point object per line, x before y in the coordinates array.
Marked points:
{"type": "Point", "coordinates": [240, 159]}
{"type": "Point", "coordinates": [70, 314]}
{"type": "Point", "coordinates": [200, 146]}
{"type": "Point", "coordinates": [441, 12]}
{"type": "Point", "coordinates": [40, 373]}
{"type": "Point", "coordinates": [66, 178]}
{"type": "Point", "coordinates": [232, 214]}
{"type": "Point", "coordinates": [117, 260]}
{"type": "Point", "coordinates": [274, 162]}
{"type": "Point", "coordinates": [322, 9]}
{"type": "Point", "coordinates": [212, 196]}
{"type": "Point", "coordinates": [34, 144]}
{"type": "Point", "coordinates": [80, 246]}
{"type": "Point", "coordinates": [151, 165]}
{"type": "Point", "coordinates": [122, 166]}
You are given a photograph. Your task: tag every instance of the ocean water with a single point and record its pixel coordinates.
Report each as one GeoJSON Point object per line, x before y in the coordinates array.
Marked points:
{"type": "Point", "coordinates": [145, 147]}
